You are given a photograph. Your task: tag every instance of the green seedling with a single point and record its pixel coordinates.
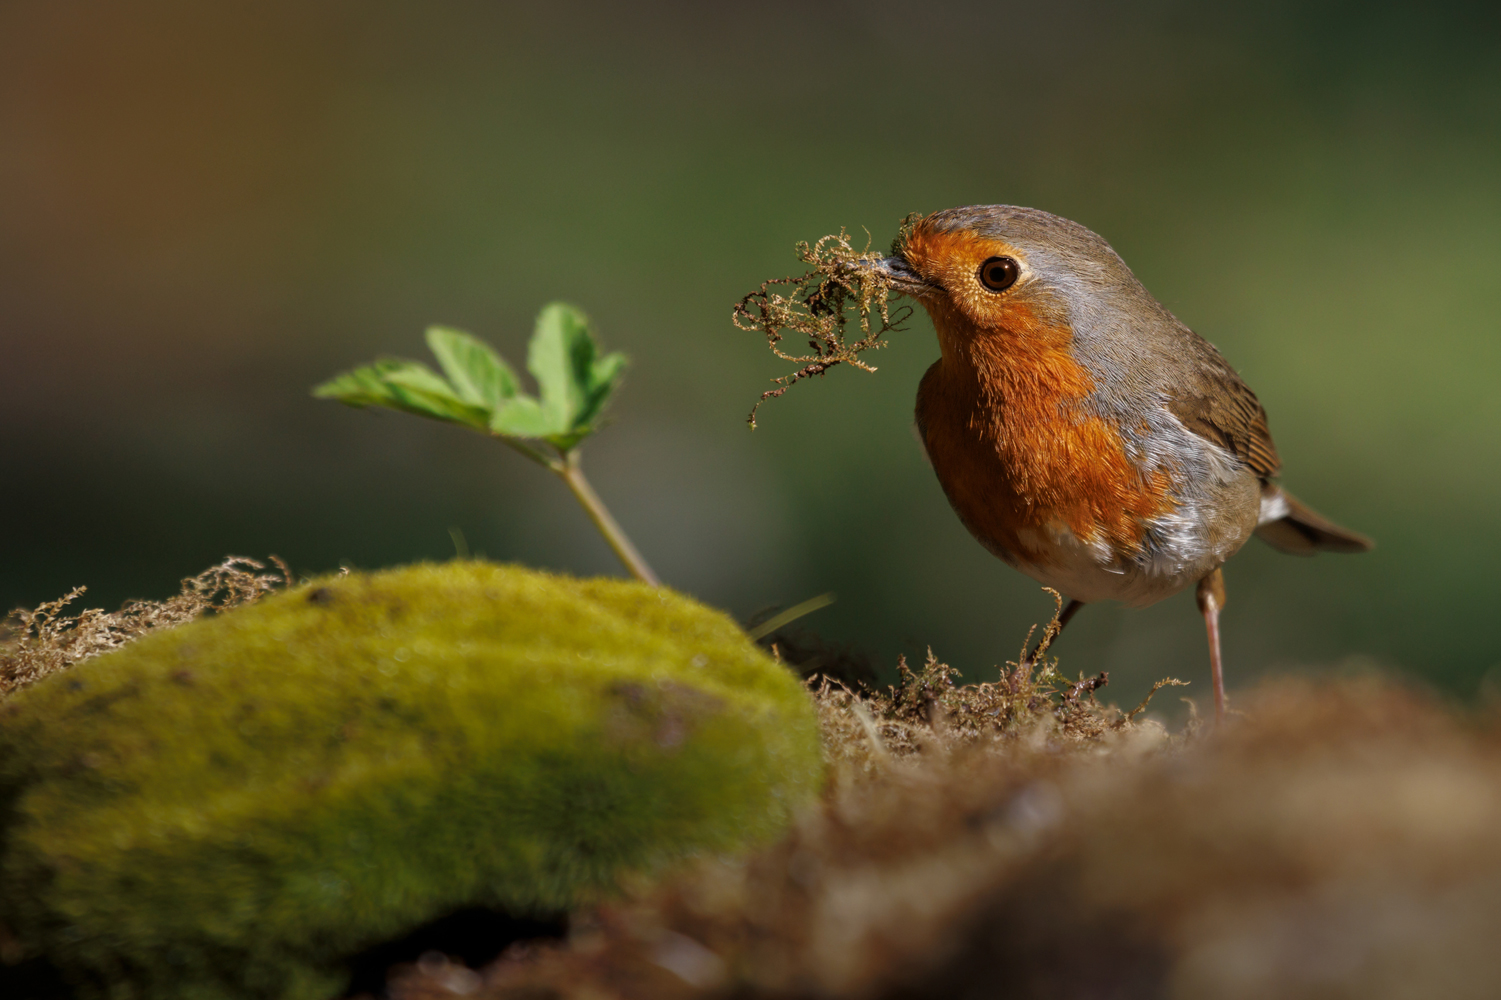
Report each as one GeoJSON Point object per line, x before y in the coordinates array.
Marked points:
{"type": "Point", "coordinates": [478, 390]}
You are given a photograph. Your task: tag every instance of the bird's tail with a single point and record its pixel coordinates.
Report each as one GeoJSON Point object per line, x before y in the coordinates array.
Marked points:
{"type": "Point", "coordinates": [1290, 526]}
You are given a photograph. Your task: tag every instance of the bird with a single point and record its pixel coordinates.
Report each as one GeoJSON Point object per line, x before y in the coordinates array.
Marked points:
{"type": "Point", "coordinates": [1081, 432]}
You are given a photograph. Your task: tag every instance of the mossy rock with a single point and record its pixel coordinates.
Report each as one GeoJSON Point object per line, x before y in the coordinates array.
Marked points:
{"type": "Point", "coordinates": [230, 808]}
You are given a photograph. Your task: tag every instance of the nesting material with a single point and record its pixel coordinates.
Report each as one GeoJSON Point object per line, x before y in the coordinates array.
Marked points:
{"type": "Point", "coordinates": [841, 283]}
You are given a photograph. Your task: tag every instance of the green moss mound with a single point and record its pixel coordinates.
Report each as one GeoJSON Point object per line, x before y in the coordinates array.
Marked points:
{"type": "Point", "coordinates": [229, 808]}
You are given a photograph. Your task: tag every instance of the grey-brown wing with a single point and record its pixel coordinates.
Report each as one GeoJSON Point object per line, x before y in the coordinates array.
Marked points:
{"type": "Point", "coordinates": [1215, 404]}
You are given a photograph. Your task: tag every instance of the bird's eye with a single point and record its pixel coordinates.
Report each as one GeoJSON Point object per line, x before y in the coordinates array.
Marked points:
{"type": "Point", "coordinates": [999, 273]}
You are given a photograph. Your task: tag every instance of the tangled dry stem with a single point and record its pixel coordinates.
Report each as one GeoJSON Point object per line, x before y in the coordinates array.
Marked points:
{"type": "Point", "coordinates": [818, 305]}
{"type": "Point", "coordinates": [42, 641]}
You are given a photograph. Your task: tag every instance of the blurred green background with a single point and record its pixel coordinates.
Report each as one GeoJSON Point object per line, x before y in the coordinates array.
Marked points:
{"type": "Point", "coordinates": [207, 208]}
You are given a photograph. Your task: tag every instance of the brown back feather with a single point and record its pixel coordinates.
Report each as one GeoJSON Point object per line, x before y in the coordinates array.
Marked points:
{"type": "Point", "coordinates": [1221, 408]}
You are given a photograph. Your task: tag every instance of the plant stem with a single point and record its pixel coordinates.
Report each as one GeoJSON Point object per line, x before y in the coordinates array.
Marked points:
{"type": "Point", "coordinates": [792, 614]}
{"type": "Point", "coordinates": [572, 474]}
{"type": "Point", "coordinates": [554, 464]}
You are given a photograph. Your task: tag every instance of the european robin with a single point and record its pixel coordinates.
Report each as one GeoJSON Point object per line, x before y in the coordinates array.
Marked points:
{"type": "Point", "coordinates": [1081, 432]}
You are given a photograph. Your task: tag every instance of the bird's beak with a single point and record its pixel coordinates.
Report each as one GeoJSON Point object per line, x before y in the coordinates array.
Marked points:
{"type": "Point", "coordinates": [901, 276]}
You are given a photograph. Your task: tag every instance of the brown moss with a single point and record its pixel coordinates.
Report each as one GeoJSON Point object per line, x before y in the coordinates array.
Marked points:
{"type": "Point", "coordinates": [38, 642]}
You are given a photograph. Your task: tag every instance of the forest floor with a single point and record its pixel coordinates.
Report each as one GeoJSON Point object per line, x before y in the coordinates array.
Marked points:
{"type": "Point", "coordinates": [1022, 838]}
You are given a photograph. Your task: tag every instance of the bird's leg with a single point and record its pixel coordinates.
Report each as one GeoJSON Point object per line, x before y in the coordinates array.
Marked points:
{"type": "Point", "coordinates": [1024, 668]}
{"type": "Point", "coordinates": [1211, 598]}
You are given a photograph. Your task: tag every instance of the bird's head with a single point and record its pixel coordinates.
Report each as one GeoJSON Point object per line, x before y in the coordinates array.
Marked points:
{"type": "Point", "coordinates": [1006, 270]}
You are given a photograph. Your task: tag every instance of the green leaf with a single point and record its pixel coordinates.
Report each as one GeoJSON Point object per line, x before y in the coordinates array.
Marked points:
{"type": "Point", "coordinates": [604, 379]}
{"type": "Point", "coordinates": [478, 374]}
{"type": "Point", "coordinates": [575, 382]}
{"type": "Point", "coordinates": [521, 416]}
{"type": "Point", "coordinates": [408, 386]}
{"type": "Point", "coordinates": [416, 376]}
{"type": "Point", "coordinates": [561, 349]}
{"type": "Point", "coordinates": [422, 390]}
{"type": "Point", "coordinates": [360, 388]}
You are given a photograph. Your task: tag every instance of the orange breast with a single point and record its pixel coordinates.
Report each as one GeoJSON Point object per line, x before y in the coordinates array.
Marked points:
{"type": "Point", "coordinates": [1014, 447]}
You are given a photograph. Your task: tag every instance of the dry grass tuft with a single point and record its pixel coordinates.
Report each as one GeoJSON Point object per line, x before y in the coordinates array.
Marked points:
{"type": "Point", "coordinates": [928, 710]}
{"type": "Point", "coordinates": [43, 641]}
{"type": "Point", "coordinates": [818, 304]}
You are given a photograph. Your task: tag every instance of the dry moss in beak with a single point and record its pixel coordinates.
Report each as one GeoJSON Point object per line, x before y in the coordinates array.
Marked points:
{"type": "Point", "coordinates": [818, 306]}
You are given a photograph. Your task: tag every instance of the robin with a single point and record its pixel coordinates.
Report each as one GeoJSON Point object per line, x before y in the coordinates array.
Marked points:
{"type": "Point", "coordinates": [1081, 432]}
